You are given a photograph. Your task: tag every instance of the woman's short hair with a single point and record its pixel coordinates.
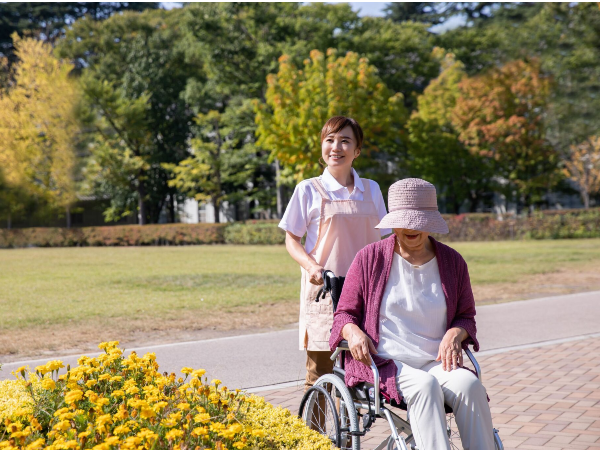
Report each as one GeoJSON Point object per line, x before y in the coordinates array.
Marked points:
{"type": "Point", "coordinates": [338, 123]}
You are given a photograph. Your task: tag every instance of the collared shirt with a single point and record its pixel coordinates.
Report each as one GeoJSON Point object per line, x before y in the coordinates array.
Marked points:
{"type": "Point", "coordinates": [304, 209]}
{"type": "Point", "coordinates": [412, 316]}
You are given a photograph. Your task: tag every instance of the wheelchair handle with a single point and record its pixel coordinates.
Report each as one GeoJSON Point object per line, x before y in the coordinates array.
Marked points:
{"type": "Point", "coordinates": [327, 276]}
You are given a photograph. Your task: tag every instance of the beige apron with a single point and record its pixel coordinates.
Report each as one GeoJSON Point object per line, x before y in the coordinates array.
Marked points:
{"type": "Point", "coordinates": [345, 227]}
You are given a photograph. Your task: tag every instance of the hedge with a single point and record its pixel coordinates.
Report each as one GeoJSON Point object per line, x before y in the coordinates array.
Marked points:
{"type": "Point", "coordinates": [122, 235]}
{"type": "Point", "coordinates": [463, 227]}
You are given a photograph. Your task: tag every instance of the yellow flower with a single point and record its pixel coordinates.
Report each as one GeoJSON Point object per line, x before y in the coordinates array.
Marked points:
{"type": "Point", "coordinates": [187, 370]}
{"type": "Point", "coordinates": [63, 425]}
{"type": "Point", "coordinates": [239, 445]}
{"type": "Point", "coordinates": [84, 434]}
{"type": "Point", "coordinates": [198, 373]}
{"type": "Point", "coordinates": [183, 406]}
{"type": "Point", "coordinates": [147, 413]}
{"type": "Point", "coordinates": [202, 418]}
{"type": "Point", "coordinates": [132, 390]}
{"type": "Point", "coordinates": [122, 429]}
{"type": "Point", "coordinates": [111, 440]}
{"type": "Point", "coordinates": [215, 382]}
{"type": "Point", "coordinates": [174, 434]}
{"type": "Point", "coordinates": [91, 383]}
{"type": "Point", "coordinates": [200, 431]}
{"type": "Point", "coordinates": [118, 393]}
{"type": "Point", "coordinates": [73, 396]}
{"type": "Point", "coordinates": [48, 384]}
{"type": "Point", "coordinates": [116, 379]}
{"type": "Point", "coordinates": [104, 377]}
{"type": "Point", "coordinates": [38, 444]}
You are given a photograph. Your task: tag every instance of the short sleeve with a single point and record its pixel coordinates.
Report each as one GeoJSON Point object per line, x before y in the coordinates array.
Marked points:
{"type": "Point", "coordinates": [379, 204]}
{"type": "Point", "coordinates": [297, 214]}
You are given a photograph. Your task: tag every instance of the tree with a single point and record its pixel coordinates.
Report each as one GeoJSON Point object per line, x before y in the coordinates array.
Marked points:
{"type": "Point", "coordinates": [39, 128]}
{"type": "Point", "coordinates": [401, 52]}
{"type": "Point", "coordinates": [414, 12]}
{"type": "Point", "coordinates": [500, 116]}
{"type": "Point", "coordinates": [49, 21]}
{"type": "Point", "coordinates": [435, 151]}
{"type": "Point", "coordinates": [299, 102]}
{"type": "Point", "coordinates": [134, 58]}
{"type": "Point", "coordinates": [222, 162]}
{"type": "Point", "coordinates": [582, 167]}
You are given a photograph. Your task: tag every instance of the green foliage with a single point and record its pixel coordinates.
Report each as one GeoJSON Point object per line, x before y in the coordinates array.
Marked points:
{"type": "Point", "coordinates": [299, 102]}
{"type": "Point", "coordinates": [50, 20]}
{"type": "Point", "coordinates": [436, 153]}
{"type": "Point", "coordinates": [121, 235]}
{"type": "Point", "coordinates": [254, 233]}
{"type": "Point", "coordinates": [136, 68]}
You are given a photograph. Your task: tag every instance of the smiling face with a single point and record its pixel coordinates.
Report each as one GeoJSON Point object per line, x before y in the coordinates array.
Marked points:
{"type": "Point", "coordinates": [411, 239]}
{"type": "Point", "coordinates": [340, 149]}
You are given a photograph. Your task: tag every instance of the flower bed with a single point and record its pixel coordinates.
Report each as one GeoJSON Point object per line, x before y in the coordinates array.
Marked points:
{"type": "Point", "coordinates": [112, 402]}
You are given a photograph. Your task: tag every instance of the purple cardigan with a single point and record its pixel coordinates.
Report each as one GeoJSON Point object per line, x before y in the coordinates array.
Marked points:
{"type": "Point", "coordinates": [361, 299]}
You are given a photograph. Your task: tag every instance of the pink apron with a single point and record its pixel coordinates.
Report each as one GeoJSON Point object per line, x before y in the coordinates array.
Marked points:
{"type": "Point", "coordinates": [345, 227]}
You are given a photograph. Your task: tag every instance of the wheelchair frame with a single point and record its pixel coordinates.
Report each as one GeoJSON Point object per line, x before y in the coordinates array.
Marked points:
{"type": "Point", "coordinates": [371, 400]}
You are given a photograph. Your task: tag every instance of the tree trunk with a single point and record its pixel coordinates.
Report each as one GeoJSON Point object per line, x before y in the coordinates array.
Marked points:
{"type": "Point", "coordinates": [142, 203]}
{"type": "Point", "coordinates": [585, 196]}
{"type": "Point", "coordinates": [279, 189]}
{"type": "Point", "coordinates": [68, 217]}
{"type": "Point", "coordinates": [172, 208]}
{"type": "Point", "coordinates": [217, 207]}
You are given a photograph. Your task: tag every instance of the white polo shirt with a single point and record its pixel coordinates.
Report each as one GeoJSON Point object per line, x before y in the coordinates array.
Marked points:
{"type": "Point", "coordinates": [304, 209]}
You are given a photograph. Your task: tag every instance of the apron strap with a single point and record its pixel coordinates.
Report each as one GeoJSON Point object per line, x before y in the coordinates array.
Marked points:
{"type": "Point", "coordinates": [367, 196]}
{"type": "Point", "coordinates": [320, 189]}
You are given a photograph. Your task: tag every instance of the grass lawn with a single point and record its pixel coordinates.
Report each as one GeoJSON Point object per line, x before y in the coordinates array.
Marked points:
{"type": "Point", "coordinates": [58, 298]}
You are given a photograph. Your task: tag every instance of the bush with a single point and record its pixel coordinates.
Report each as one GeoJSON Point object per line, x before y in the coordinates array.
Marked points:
{"type": "Point", "coordinates": [117, 402]}
{"type": "Point", "coordinates": [255, 233]}
{"type": "Point", "coordinates": [125, 235]}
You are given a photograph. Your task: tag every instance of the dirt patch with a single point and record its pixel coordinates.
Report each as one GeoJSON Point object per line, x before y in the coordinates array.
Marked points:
{"type": "Point", "coordinates": [563, 281]}
{"type": "Point", "coordinates": [49, 341]}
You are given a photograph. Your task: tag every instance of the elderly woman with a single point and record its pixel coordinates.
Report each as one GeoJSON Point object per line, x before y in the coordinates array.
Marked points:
{"type": "Point", "coordinates": [407, 300]}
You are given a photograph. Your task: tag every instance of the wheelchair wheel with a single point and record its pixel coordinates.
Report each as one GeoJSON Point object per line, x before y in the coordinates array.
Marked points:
{"type": "Point", "coordinates": [318, 411]}
{"type": "Point", "coordinates": [455, 442]}
{"type": "Point", "coordinates": [349, 440]}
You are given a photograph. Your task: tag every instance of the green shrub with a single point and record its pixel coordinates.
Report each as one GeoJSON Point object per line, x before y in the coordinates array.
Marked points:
{"type": "Point", "coordinates": [122, 235]}
{"type": "Point", "coordinates": [254, 233]}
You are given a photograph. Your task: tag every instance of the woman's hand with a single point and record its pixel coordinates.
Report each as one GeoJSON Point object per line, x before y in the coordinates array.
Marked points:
{"type": "Point", "coordinates": [361, 345]}
{"type": "Point", "coordinates": [450, 352]}
{"type": "Point", "coordinates": [315, 271]}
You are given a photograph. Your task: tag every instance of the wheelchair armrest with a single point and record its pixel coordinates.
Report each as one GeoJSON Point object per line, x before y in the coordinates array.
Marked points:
{"type": "Point", "coordinates": [475, 364]}
{"type": "Point", "coordinates": [343, 346]}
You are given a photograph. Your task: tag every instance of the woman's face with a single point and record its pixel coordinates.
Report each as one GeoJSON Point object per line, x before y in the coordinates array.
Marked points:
{"type": "Point", "coordinates": [339, 149]}
{"type": "Point", "coordinates": [411, 239]}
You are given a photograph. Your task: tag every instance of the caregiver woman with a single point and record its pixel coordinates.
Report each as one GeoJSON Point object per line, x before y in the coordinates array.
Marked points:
{"type": "Point", "coordinates": [338, 212]}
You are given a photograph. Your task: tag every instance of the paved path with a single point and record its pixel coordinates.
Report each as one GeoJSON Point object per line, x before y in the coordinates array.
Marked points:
{"type": "Point", "coordinates": [544, 397]}
{"type": "Point", "coordinates": [271, 358]}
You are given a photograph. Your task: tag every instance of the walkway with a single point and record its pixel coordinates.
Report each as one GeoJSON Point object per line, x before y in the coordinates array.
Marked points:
{"type": "Point", "coordinates": [545, 397]}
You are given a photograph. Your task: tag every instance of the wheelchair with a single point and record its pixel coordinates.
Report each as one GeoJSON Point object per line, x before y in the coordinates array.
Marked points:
{"type": "Point", "coordinates": [334, 409]}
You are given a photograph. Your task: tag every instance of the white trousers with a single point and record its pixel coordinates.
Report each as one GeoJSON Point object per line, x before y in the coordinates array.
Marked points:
{"type": "Point", "coordinates": [427, 388]}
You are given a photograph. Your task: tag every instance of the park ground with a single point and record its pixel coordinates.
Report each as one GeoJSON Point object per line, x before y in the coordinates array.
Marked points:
{"type": "Point", "coordinates": [57, 300]}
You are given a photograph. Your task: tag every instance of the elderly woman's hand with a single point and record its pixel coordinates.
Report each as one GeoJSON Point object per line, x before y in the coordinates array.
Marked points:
{"type": "Point", "coordinates": [361, 345]}
{"type": "Point", "coordinates": [450, 352]}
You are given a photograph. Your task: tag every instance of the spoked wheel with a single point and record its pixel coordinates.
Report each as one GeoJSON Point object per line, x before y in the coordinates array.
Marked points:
{"type": "Point", "coordinates": [452, 429]}
{"type": "Point", "coordinates": [349, 438]}
{"type": "Point", "coordinates": [318, 411]}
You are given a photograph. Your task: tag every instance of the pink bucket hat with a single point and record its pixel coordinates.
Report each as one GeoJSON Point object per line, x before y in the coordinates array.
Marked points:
{"type": "Point", "coordinates": [412, 204]}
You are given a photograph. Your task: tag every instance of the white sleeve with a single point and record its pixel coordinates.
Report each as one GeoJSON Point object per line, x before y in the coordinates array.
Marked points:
{"type": "Point", "coordinates": [379, 204]}
{"type": "Point", "coordinates": [296, 217]}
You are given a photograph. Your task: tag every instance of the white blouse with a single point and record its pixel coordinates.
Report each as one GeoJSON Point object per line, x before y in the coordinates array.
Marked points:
{"type": "Point", "coordinates": [304, 209]}
{"type": "Point", "coordinates": [412, 314]}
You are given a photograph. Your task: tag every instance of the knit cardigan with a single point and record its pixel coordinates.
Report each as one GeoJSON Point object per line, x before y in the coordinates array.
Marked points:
{"type": "Point", "coordinates": [361, 300]}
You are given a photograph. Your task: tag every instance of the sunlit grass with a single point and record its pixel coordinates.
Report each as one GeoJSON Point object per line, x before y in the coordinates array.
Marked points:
{"type": "Point", "coordinates": [69, 286]}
